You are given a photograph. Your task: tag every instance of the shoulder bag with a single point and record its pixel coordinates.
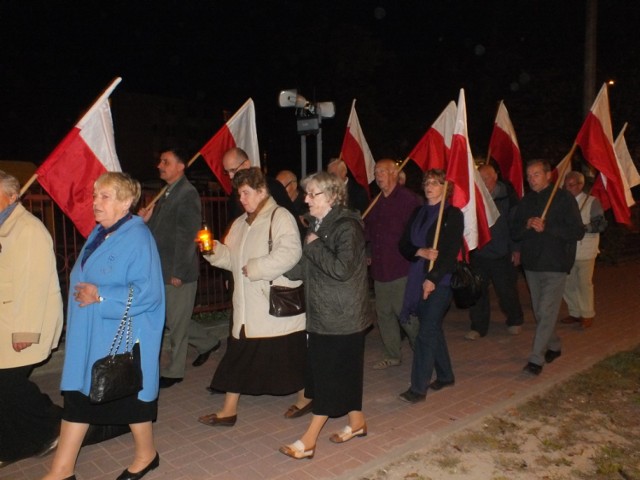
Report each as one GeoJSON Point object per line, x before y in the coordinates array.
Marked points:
{"type": "Point", "coordinates": [284, 301]}
{"type": "Point", "coordinates": [119, 375]}
{"type": "Point", "coordinates": [465, 283]}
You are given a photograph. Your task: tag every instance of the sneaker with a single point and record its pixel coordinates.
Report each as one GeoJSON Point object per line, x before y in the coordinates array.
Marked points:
{"type": "Point", "coordinates": [472, 335]}
{"type": "Point", "coordinates": [411, 397]}
{"type": "Point", "coordinates": [386, 363]}
{"type": "Point", "coordinates": [514, 329]}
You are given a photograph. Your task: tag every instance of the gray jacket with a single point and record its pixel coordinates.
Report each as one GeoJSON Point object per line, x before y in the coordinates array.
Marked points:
{"type": "Point", "coordinates": [175, 221]}
{"type": "Point", "coordinates": [334, 271]}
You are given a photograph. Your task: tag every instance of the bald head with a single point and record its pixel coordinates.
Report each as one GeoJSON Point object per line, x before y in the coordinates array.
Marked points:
{"type": "Point", "coordinates": [386, 173]}
{"type": "Point", "coordinates": [489, 176]}
{"type": "Point", "coordinates": [289, 181]}
{"type": "Point", "coordinates": [233, 160]}
{"type": "Point", "coordinates": [338, 168]}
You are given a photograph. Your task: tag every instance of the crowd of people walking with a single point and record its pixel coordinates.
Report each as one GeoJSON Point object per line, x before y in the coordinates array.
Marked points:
{"type": "Point", "coordinates": [147, 265]}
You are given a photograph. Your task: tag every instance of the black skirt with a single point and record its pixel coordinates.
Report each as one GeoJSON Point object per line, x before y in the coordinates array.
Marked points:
{"type": "Point", "coordinates": [79, 409]}
{"type": "Point", "coordinates": [262, 366]}
{"type": "Point", "coordinates": [335, 373]}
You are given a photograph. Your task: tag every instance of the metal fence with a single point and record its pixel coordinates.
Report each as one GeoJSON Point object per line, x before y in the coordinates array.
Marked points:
{"type": "Point", "coordinates": [212, 291]}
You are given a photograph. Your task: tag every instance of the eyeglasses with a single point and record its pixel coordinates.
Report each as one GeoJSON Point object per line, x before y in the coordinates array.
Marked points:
{"type": "Point", "coordinates": [312, 195]}
{"type": "Point", "coordinates": [232, 171]}
{"type": "Point", "coordinates": [432, 183]}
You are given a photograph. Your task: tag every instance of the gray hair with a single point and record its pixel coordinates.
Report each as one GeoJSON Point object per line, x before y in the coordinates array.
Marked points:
{"type": "Point", "coordinates": [9, 184]}
{"type": "Point", "coordinates": [333, 187]}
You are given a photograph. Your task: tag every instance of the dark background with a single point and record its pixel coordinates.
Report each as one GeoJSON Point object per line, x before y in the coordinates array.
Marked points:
{"type": "Point", "coordinates": [403, 61]}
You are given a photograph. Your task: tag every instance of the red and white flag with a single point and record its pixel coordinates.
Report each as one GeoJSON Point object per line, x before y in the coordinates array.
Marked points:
{"type": "Point", "coordinates": [239, 131]}
{"type": "Point", "coordinates": [355, 151]}
{"type": "Point", "coordinates": [432, 151]}
{"type": "Point", "coordinates": [88, 151]}
{"type": "Point", "coordinates": [503, 146]}
{"type": "Point", "coordinates": [469, 192]}
{"type": "Point", "coordinates": [596, 141]}
{"type": "Point", "coordinates": [627, 167]}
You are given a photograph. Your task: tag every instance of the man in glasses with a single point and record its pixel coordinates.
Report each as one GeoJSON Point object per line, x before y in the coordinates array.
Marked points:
{"type": "Point", "coordinates": [236, 159]}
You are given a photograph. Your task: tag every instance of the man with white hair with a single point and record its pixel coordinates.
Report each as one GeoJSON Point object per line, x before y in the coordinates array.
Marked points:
{"type": "Point", "coordinates": [578, 291]}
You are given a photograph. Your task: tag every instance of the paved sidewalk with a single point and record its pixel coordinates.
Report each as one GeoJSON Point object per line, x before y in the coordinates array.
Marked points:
{"type": "Point", "coordinates": [488, 379]}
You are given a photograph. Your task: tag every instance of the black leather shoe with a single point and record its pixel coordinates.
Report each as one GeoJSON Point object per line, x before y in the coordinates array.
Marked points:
{"type": "Point", "coordinates": [412, 397]}
{"type": "Point", "coordinates": [166, 382]}
{"type": "Point", "coordinates": [438, 385]}
{"type": "Point", "coordinates": [127, 475]}
{"type": "Point", "coordinates": [551, 355]}
{"type": "Point", "coordinates": [532, 369]}
{"type": "Point", "coordinates": [48, 448]}
{"type": "Point", "coordinates": [203, 357]}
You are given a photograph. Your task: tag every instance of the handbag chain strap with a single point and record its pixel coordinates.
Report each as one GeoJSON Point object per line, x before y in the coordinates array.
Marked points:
{"type": "Point", "coordinates": [125, 324]}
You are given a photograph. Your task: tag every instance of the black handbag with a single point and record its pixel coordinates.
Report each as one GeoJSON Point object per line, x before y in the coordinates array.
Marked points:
{"type": "Point", "coordinates": [284, 301]}
{"type": "Point", "coordinates": [119, 375]}
{"type": "Point", "coordinates": [466, 285]}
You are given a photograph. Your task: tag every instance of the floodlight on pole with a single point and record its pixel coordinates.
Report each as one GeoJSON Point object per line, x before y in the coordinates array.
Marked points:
{"type": "Point", "coordinates": [309, 121]}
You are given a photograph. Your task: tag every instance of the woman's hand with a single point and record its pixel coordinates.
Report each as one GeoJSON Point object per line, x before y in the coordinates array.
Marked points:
{"type": "Point", "coordinates": [86, 294]}
{"type": "Point", "coordinates": [428, 253]}
{"type": "Point", "coordinates": [19, 346]}
{"type": "Point", "coordinates": [427, 288]}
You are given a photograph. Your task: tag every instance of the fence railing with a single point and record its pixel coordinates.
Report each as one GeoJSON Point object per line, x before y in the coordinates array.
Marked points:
{"type": "Point", "coordinates": [213, 293]}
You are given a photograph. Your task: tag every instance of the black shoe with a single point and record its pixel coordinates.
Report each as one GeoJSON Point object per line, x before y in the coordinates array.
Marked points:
{"type": "Point", "coordinates": [166, 382]}
{"type": "Point", "coordinates": [127, 475]}
{"type": "Point", "coordinates": [551, 355]}
{"type": "Point", "coordinates": [203, 357]}
{"type": "Point", "coordinates": [412, 397]}
{"type": "Point", "coordinates": [532, 369]}
{"type": "Point", "coordinates": [438, 385]}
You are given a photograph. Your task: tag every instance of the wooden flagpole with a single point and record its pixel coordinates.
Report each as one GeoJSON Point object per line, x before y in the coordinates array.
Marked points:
{"type": "Point", "coordinates": [561, 174]}
{"type": "Point", "coordinates": [440, 212]}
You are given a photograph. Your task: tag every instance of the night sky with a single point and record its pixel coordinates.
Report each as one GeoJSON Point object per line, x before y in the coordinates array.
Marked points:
{"type": "Point", "coordinates": [403, 61]}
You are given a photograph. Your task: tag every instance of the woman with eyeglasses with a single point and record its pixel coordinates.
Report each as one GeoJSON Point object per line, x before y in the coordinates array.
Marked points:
{"type": "Point", "coordinates": [334, 270]}
{"type": "Point", "coordinates": [428, 292]}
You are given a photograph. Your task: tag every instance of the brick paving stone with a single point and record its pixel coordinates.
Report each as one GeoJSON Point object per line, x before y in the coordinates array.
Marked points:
{"type": "Point", "coordinates": [488, 379]}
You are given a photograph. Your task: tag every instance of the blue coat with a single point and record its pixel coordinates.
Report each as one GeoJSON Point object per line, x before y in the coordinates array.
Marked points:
{"type": "Point", "coordinates": [128, 256]}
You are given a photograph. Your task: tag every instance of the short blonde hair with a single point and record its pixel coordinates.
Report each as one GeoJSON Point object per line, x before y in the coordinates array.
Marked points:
{"type": "Point", "coordinates": [126, 187]}
{"type": "Point", "coordinates": [333, 187]}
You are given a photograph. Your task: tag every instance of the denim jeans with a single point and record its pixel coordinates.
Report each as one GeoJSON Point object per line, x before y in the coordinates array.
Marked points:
{"type": "Point", "coordinates": [431, 347]}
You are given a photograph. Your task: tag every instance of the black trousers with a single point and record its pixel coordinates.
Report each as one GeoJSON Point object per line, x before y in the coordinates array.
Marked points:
{"type": "Point", "coordinates": [28, 418]}
{"type": "Point", "coordinates": [503, 275]}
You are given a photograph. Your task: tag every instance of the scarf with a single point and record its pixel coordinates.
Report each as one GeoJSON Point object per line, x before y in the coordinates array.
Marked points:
{"type": "Point", "coordinates": [101, 235]}
{"type": "Point", "coordinates": [426, 217]}
{"type": "Point", "coordinates": [4, 214]}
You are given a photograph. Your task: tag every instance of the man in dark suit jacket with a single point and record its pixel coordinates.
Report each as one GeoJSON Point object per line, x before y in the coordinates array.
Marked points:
{"type": "Point", "coordinates": [357, 197]}
{"type": "Point", "coordinates": [174, 222]}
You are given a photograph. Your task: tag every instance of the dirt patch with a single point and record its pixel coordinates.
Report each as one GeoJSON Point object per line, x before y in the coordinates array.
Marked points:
{"type": "Point", "coordinates": [585, 428]}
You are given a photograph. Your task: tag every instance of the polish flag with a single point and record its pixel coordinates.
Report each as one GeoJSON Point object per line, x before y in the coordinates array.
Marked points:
{"type": "Point", "coordinates": [88, 151]}
{"type": "Point", "coordinates": [355, 151]}
{"type": "Point", "coordinates": [627, 167]}
{"type": "Point", "coordinates": [432, 151]}
{"type": "Point", "coordinates": [469, 192]}
{"type": "Point", "coordinates": [503, 147]}
{"type": "Point", "coordinates": [561, 169]}
{"type": "Point", "coordinates": [239, 131]}
{"type": "Point", "coordinates": [596, 141]}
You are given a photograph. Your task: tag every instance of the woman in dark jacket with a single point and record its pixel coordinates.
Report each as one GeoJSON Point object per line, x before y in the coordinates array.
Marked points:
{"type": "Point", "coordinates": [334, 270]}
{"type": "Point", "coordinates": [428, 292]}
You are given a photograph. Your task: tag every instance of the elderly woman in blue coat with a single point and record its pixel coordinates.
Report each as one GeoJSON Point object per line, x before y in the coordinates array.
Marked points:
{"type": "Point", "coordinates": [119, 254]}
